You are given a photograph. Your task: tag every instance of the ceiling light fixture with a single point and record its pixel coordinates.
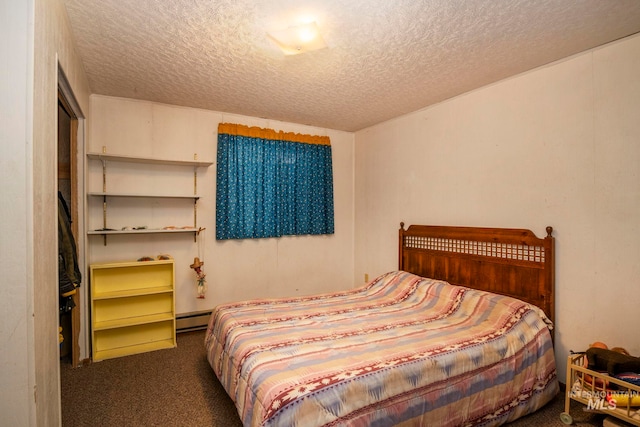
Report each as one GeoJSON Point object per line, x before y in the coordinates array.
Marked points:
{"type": "Point", "coordinates": [298, 39]}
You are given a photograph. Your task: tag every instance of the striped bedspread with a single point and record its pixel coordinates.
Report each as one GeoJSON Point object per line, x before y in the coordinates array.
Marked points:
{"type": "Point", "coordinates": [401, 350]}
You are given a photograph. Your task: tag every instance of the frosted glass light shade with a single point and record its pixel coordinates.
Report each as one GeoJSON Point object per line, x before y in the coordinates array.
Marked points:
{"type": "Point", "coordinates": [298, 39]}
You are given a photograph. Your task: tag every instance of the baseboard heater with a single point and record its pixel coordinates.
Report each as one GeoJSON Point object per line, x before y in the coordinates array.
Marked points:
{"type": "Point", "coordinates": [194, 321]}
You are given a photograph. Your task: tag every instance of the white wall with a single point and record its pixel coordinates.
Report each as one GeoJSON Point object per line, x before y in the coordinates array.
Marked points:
{"type": "Point", "coordinates": [17, 368]}
{"type": "Point", "coordinates": [35, 40]}
{"type": "Point", "coordinates": [235, 269]}
{"type": "Point", "coordinates": [54, 48]}
{"type": "Point", "coordinates": [556, 146]}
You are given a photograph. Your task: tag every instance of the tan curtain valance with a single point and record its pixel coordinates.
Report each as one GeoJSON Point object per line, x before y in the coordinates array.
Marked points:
{"type": "Point", "coordinates": [256, 132]}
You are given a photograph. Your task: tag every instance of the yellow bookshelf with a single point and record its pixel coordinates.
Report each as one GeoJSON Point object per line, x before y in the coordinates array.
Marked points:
{"type": "Point", "coordinates": [132, 308]}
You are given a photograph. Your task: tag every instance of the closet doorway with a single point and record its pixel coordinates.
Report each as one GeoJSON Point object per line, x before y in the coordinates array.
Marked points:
{"type": "Point", "coordinates": [70, 152]}
{"type": "Point", "coordinates": [69, 304]}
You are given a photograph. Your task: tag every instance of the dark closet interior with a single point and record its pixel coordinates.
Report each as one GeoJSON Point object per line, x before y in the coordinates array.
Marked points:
{"type": "Point", "coordinates": [69, 321]}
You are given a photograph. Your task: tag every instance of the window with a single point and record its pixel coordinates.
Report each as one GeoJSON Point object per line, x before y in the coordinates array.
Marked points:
{"type": "Point", "coordinates": [271, 184]}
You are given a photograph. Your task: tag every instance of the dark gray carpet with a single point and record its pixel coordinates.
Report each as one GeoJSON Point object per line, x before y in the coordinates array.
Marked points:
{"type": "Point", "coordinates": [174, 387]}
{"type": "Point", "coordinates": [177, 387]}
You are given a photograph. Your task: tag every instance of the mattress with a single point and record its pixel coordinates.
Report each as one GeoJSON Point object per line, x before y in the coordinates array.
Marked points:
{"type": "Point", "coordinates": [401, 350]}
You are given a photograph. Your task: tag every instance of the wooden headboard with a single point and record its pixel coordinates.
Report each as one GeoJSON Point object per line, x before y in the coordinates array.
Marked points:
{"type": "Point", "coordinates": [511, 262]}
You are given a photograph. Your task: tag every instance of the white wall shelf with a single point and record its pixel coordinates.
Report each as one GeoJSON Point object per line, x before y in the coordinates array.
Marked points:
{"type": "Point", "coordinates": [148, 196]}
{"type": "Point", "coordinates": [148, 160]}
{"type": "Point", "coordinates": [106, 195]}
{"type": "Point", "coordinates": [144, 231]}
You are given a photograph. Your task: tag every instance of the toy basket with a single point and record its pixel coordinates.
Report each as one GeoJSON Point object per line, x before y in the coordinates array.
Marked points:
{"type": "Point", "coordinates": [600, 392]}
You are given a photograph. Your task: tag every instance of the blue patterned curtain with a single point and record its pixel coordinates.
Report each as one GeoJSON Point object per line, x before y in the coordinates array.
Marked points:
{"type": "Point", "coordinates": [271, 184]}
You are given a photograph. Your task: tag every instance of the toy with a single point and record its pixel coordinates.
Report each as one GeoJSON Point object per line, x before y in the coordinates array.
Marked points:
{"type": "Point", "coordinates": [618, 398]}
{"type": "Point", "coordinates": [623, 399]}
{"type": "Point", "coordinates": [200, 276]}
{"type": "Point", "coordinates": [588, 379]}
{"type": "Point", "coordinates": [620, 350]}
{"type": "Point", "coordinates": [599, 357]}
{"type": "Point", "coordinates": [612, 362]}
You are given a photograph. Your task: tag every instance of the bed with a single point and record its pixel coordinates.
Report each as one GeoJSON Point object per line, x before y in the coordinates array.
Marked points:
{"type": "Point", "coordinates": [460, 334]}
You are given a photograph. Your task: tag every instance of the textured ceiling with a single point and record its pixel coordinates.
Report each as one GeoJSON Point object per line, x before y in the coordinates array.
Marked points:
{"type": "Point", "coordinates": [384, 58]}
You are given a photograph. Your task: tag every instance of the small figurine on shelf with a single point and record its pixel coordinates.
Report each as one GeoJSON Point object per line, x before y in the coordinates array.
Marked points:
{"type": "Point", "coordinates": [200, 276]}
